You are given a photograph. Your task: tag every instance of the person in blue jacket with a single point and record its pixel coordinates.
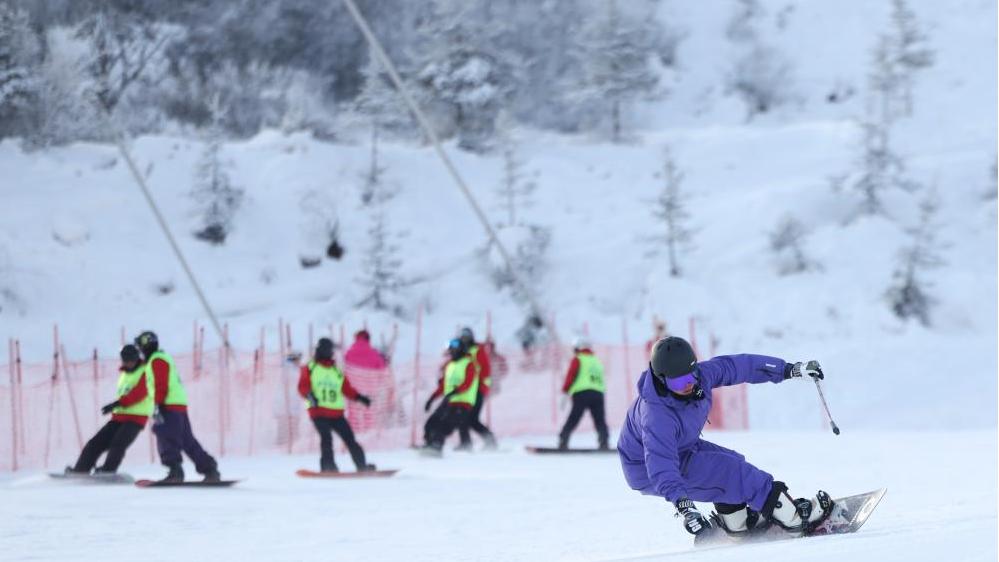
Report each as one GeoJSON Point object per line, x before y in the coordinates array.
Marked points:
{"type": "Point", "coordinates": [662, 453]}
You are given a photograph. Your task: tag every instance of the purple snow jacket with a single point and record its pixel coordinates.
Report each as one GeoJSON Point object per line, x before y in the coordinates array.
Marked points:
{"type": "Point", "coordinates": [661, 431]}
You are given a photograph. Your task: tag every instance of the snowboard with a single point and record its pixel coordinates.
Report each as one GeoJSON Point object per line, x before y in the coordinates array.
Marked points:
{"type": "Point", "coordinates": [189, 484]}
{"type": "Point", "coordinates": [848, 515]}
{"type": "Point", "coordinates": [557, 451]}
{"type": "Point", "coordinates": [111, 478]}
{"type": "Point", "coordinates": [305, 473]}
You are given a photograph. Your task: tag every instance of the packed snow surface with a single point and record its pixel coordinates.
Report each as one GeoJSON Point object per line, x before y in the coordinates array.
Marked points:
{"type": "Point", "coordinates": [511, 505]}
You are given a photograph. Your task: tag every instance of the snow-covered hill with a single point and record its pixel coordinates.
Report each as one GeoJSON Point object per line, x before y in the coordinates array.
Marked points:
{"type": "Point", "coordinates": [79, 247]}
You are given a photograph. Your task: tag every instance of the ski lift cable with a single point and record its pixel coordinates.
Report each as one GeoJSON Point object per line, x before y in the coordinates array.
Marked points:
{"type": "Point", "coordinates": [376, 49]}
{"type": "Point", "coordinates": [121, 143]}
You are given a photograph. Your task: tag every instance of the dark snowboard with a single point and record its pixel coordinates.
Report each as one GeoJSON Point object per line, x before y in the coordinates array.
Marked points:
{"type": "Point", "coordinates": [365, 474]}
{"type": "Point", "coordinates": [110, 478]}
{"type": "Point", "coordinates": [848, 515]}
{"type": "Point", "coordinates": [190, 484]}
{"type": "Point", "coordinates": [557, 451]}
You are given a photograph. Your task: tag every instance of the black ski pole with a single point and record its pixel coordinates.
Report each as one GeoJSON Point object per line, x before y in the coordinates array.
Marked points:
{"type": "Point", "coordinates": [822, 397]}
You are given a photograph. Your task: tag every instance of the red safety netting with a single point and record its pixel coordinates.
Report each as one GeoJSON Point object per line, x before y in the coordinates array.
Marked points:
{"type": "Point", "coordinates": [246, 402]}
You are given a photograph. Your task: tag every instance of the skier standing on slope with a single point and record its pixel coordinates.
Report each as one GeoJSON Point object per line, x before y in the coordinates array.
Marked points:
{"type": "Point", "coordinates": [584, 381]}
{"type": "Point", "coordinates": [324, 387]}
{"type": "Point", "coordinates": [171, 425]}
{"type": "Point", "coordinates": [129, 413]}
{"type": "Point", "coordinates": [480, 357]}
{"type": "Point", "coordinates": [663, 455]}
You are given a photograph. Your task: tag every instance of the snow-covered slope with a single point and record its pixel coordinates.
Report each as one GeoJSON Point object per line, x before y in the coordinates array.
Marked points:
{"type": "Point", "coordinates": [510, 505]}
{"type": "Point", "coordinates": [79, 247]}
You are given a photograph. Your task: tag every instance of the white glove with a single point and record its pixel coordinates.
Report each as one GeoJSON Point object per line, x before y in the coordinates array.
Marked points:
{"type": "Point", "coordinates": [811, 368]}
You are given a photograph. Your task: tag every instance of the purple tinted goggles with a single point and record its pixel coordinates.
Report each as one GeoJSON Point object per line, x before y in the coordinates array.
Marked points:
{"type": "Point", "coordinates": [678, 384]}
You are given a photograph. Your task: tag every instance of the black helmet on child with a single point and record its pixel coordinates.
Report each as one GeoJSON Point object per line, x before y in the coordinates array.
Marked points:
{"type": "Point", "coordinates": [672, 357]}
{"type": "Point", "coordinates": [130, 354]}
{"type": "Point", "coordinates": [148, 342]}
{"type": "Point", "coordinates": [324, 349]}
{"type": "Point", "coordinates": [466, 336]}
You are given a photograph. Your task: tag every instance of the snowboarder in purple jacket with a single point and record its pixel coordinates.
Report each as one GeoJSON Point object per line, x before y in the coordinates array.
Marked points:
{"type": "Point", "coordinates": [662, 453]}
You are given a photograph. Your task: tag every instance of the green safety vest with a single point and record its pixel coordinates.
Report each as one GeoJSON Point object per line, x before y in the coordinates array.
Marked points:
{"type": "Point", "coordinates": [473, 353]}
{"type": "Point", "coordinates": [175, 394]}
{"type": "Point", "coordinates": [454, 376]}
{"type": "Point", "coordinates": [126, 382]}
{"type": "Point", "coordinates": [327, 383]}
{"type": "Point", "coordinates": [590, 375]}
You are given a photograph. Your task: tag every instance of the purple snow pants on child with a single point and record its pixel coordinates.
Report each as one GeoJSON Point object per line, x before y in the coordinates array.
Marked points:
{"type": "Point", "coordinates": [173, 436]}
{"type": "Point", "coordinates": [719, 475]}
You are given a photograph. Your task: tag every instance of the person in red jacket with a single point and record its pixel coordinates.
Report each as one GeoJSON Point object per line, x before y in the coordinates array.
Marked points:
{"type": "Point", "coordinates": [480, 357]}
{"type": "Point", "coordinates": [129, 413]}
{"type": "Point", "coordinates": [171, 424]}
{"type": "Point", "coordinates": [584, 382]}
{"type": "Point", "coordinates": [324, 387]}
{"type": "Point", "coordinates": [458, 386]}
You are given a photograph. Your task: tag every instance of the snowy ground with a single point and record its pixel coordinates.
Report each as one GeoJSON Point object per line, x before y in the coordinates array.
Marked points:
{"type": "Point", "coordinates": [510, 505]}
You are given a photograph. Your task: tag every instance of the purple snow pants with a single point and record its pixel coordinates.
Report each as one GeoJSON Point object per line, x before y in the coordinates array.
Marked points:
{"type": "Point", "coordinates": [173, 436]}
{"type": "Point", "coordinates": [719, 475]}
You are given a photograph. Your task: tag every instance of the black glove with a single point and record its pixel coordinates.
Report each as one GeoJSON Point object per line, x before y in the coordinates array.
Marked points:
{"type": "Point", "coordinates": [311, 398]}
{"type": "Point", "coordinates": [693, 521]}
{"type": "Point", "coordinates": [364, 400]}
{"type": "Point", "coordinates": [429, 404]}
{"type": "Point", "coordinates": [106, 409]}
{"type": "Point", "coordinates": [811, 368]}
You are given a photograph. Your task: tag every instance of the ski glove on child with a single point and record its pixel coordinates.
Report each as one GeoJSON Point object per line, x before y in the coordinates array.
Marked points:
{"type": "Point", "coordinates": [693, 521]}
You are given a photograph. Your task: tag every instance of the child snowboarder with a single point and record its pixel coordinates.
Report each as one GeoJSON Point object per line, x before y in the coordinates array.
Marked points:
{"type": "Point", "coordinates": [662, 453]}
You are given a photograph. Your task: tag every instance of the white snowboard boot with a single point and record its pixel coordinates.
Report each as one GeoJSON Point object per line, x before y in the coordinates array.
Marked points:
{"type": "Point", "coordinates": [796, 515]}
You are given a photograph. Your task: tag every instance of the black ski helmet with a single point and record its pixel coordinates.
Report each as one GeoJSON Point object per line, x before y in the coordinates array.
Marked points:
{"type": "Point", "coordinates": [130, 354]}
{"type": "Point", "coordinates": [148, 342]}
{"type": "Point", "coordinates": [672, 357]}
{"type": "Point", "coordinates": [324, 349]}
{"type": "Point", "coordinates": [467, 336]}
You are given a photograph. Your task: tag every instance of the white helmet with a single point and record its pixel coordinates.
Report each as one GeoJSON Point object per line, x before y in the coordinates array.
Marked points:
{"type": "Point", "coordinates": [581, 342]}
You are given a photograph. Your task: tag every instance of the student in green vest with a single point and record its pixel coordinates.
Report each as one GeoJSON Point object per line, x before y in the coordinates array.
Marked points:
{"type": "Point", "coordinates": [459, 386]}
{"type": "Point", "coordinates": [585, 383]}
{"type": "Point", "coordinates": [324, 387]}
{"type": "Point", "coordinates": [171, 425]}
{"type": "Point", "coordinates": [129, 412]}
{"type": "Point", "coordinates": [480, 357]}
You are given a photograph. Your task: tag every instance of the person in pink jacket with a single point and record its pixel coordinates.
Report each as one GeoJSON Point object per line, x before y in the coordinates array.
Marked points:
{"type": "Point", "coordinates": [362, 355]}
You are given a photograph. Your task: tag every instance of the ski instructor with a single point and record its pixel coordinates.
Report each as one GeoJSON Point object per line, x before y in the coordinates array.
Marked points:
{"type": "Point", "coordinates": [663, 455]}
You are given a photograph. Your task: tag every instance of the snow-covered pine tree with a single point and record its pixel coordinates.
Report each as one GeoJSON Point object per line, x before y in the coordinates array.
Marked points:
{"type": "Point", "coordinates": [466, 80]}
{"type": "Point", "coordinates": [761, 74]}
{"type": "Point", "coordinates": [670, 208]}
{"type": "Point", "coordinates": [122, 44]}
{"type": "Point", "coordinates": [379, 100]}
{"type": "Point", "coordinates": [18, 85]}
{"type": "Point", "coordinates": [213, 189]}
{"type": "Point", "coordinates": [372, 180]}
{"type": "Point", "coordinates": [880, 166]}
{"type": "Point", "coordinates": [909, 295]}
{"type": "Point", "coordinates": [381, 280]}
{"type": "Point", "coordinates": [513, 193]}
{"type": "Point", "coordinates": [617, 50]}
{"type": "Point", "coordinates": [787, 243]}
{"type": "Point", "coordinates": [910, 52]}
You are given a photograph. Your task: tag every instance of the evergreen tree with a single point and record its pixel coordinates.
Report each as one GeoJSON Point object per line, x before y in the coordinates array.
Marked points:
{"type": "Point", "coordinates": [909, 295]}
{"type": "Point", "coordinates": [617, 51]}
{"type": "Point", "coordinates": [671, 210]}
{"type": "Point", "coordinates": [787, 243]}
{"type": "Point", "coordinates": [910, 51]}
{"type": "Point", "coordinates": [760, 75]}
{"type": "Point", "coordinates": [514, 190]}
{"type": "Point", "coordinates": [213, 189]}
{"type": "Point", "coordinates": [18, 84]}
{"type": "Point", "coordinates": [381, 279]}
{"type": "Point", "coordinates": [380, 101]}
